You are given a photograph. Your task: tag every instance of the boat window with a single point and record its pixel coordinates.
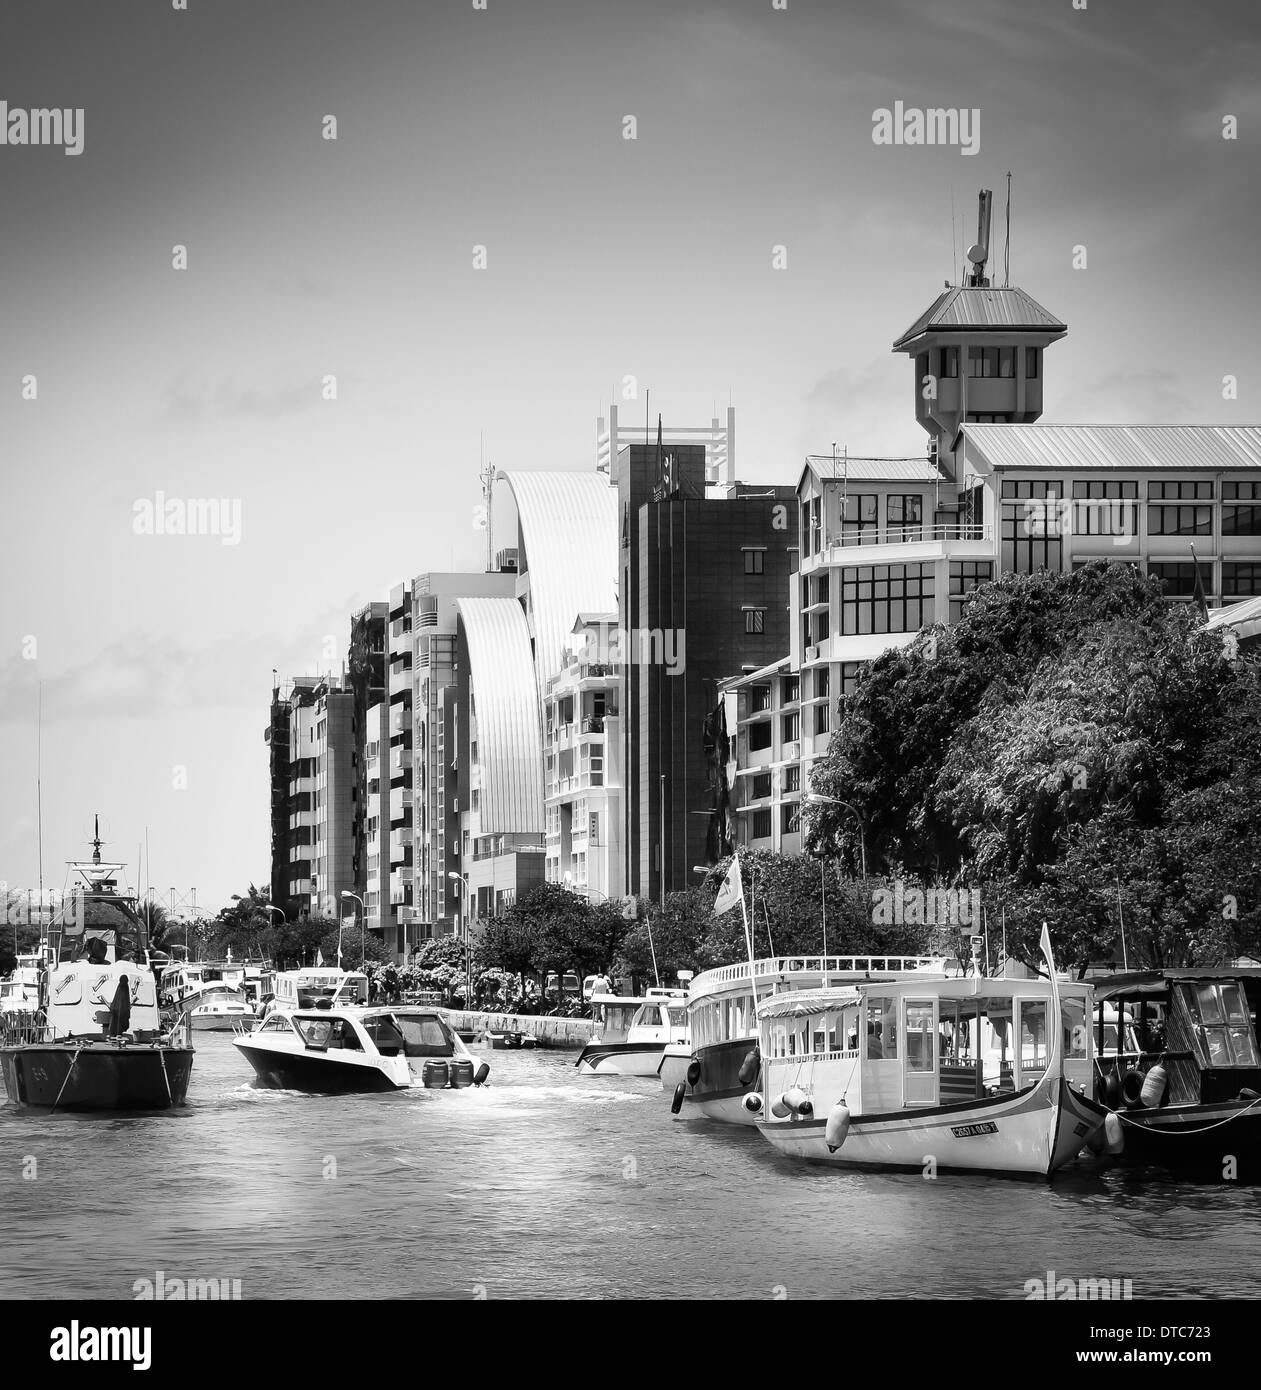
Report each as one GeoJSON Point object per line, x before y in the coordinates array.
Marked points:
{"type": "Point", "coordinates": [819, 1041]}
{"type": "Point", "coordinates": [276, 1025]}
{"type": "Point", "coordinates": [1076, 1033]}
{"type": "Point", "coordinates": [344, 1035]}
{"type": "Point", "coordinates": [882, 1029]}
{"type": "Point", "coordinates": [651, 1016]}
{"type": "Point", "coordinates": [1033, 1039]}
{"type": "Point", "coordinates": [424, 1035]}
{"type": "Point", "coordinates": [920, 1053]}
{"type": "Point", "coordinates": [1220, 1018]}
{"type": "Point", "coordinates": [315, 1031]}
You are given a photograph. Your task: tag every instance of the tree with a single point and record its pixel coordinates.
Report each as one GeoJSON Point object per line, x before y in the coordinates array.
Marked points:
{"type": "Point", "coordinates": [357, 946]}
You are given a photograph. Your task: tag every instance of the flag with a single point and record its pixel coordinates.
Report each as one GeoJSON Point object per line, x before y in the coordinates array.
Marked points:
{"type": "Point", "coordinates": [732, 890]}
{"type": "Point", "coordinates": [319, 959]}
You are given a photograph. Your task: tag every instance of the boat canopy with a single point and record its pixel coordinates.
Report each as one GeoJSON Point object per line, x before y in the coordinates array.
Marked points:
{"type": "Point", "coordinates": [807, 1002]}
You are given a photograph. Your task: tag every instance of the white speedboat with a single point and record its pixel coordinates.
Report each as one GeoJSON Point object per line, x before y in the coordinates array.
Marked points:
{"type": "Point", "coordinates": [972, 1073]}
{"type": "Point", "coordinates": [217, 1007]}
{"type": "Point", "coordinates": [634, 1033]}
{"type": "Point", "coordinates": [333, 1049]}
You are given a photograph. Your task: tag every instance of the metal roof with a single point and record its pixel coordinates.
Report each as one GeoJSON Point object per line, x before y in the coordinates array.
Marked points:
{"type": "Point", "coordinates": [1244, 617]}
{"type": "Point", "coordinates": [569, 525]}
{"type": "Point", "coordinates": [874, 470]}
{"type": "Point", "coordinates": [1115, 446]}
{"type": "Point", "coordinates": [962, 307]}
{"type": "Point", "coordinates": [509, 737]}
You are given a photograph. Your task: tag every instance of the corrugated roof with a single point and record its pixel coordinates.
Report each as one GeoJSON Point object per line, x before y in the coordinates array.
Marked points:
{"type": "Point", "coordinates": [569, 524]}
{"type": "Point", "coordinates": [963, 307]}
{"type": "Point", "coordinates": [1244, 617]}
{"type": "Point", "coordinates": [908, 470]}
{"type": "Point", "coordinates": [1115, 446]}
{"type": "Point", "coordinates": [509, 731]}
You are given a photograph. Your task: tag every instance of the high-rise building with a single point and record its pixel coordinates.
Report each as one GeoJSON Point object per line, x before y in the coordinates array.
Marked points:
{"type": "Point", "coordinates": [365, 663]}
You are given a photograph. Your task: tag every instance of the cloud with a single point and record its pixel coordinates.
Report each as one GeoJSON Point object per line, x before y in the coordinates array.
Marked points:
{"type": "Point", "coordinates": [230, 399]}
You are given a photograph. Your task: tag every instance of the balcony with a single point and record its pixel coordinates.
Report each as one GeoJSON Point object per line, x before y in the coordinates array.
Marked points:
{"type": "Point", "coordinates": [897, 544]}
{"type": "Point", "coordinates": [593, 724]}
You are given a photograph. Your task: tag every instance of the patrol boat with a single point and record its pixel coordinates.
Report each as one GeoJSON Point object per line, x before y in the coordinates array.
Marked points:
{"type": "Point", "coordinates": [97, 1041]}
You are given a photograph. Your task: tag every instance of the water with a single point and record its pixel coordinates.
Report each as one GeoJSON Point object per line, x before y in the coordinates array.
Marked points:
{"type": "Point", "coordinates": [547, 1184]}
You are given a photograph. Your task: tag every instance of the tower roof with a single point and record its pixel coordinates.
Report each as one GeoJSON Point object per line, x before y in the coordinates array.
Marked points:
{"type": "Point", "coordinates": [963, 307]}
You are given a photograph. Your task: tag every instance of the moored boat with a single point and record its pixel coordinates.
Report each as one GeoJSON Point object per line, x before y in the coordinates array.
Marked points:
{"type": "Point", "coordinates": [723, 1027]}
{"type": "Point", "coordinates": [1182, 1075]}
{"type": "Point", "coordinates": [634, 1033]}
{"type": "Point", "coordinates": [987, 1074]}
{"type": "Point", "coordinates": [339, 1049]}
{"type": "Point", "coordinates": [97, 1042]}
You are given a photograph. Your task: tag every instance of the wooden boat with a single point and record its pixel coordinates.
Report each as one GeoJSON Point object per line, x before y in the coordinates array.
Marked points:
{"type": "Point", "coordinates": [970, 1074]}
{"type": "Point", "coordinates": [722, 1025]}
{"type": "Point", "coordinates": [1178, 1067]}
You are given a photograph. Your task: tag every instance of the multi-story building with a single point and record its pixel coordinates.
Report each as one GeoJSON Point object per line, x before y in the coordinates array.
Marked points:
{"type": "Point", "coordinates": [704, 575]}
{"type": "Point", "coordinates": [763, 784]}
{"type": "Point", "coordinates": [436, 839]}
{"type": "Point", "coordinates": [397, 772]}
{"type": "Point", "coordinates": [365, 664]}
{"type": "Point", "coordinates": [316, 860]}
{"type": "Point", "coordinates": [582, 751]}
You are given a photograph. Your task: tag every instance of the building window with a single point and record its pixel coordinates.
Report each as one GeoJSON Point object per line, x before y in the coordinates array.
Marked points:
{"type": "Point", "coordinates": [950, 363]}
{"type": "Point", "coordinates": [761, 787]}
{"type": "Point", "coordinates": [965, 577]}
{"type": "Point", "coordinates": [906, 517]}
{"type": "Point", "coordinates": [1031, 533]}
{"type": "Point", "coordinates": [762, 824]}
{"type": "Point", "coordinates": [790, 728]}
{"type": "Point", "coordinates": [822, 683]}
{"type": "Point", "coordinates": [1240, 579]}
{"type": "Point", "coordinates": [1180, 492]}
{"type": "Point", "coordinates": [822, 627]}
{"type": "Point", "coordinates": [822, 719]}
{"type": "Point", "coordinates": [1007, 361]}
{"type": "Point", "coordinates": [754, 561]}
{"type": "Point", "coordinates": [754, 619]}
{"type": "Point", "coordinates": [821, 589]}
{"type": "Point", "coordinates": [886, 598]}
{"type": "Point", "coordinates": [791, 691]}
{"type": "Point", "coordinates": [788, 819]}
{"type": "Point", "coordinates": [1177, 579]}
{"type": "Point", "coordinates": [1241, 509]}
{"type": "Point", "coordinates": [807, 534]}
{"type": "Point", "coordinates": [760, 736]}
{"type": "Point", "coordinates": [1166, 520]}
{"type": "Point", "coordinates": [1104, 507]}
{"type": "Point", "coordinates": [983, 361]}
{"type": "Point", "coordinates": [851, 673]}
{"type": "Point", "coordinates": [858, 519]}
{"type": "Point", "coordinates": [1031, 363]}
{"type": "Point", "coordinates": [759, 698]}
{"type": "Point", "coordinates": [792, 778]}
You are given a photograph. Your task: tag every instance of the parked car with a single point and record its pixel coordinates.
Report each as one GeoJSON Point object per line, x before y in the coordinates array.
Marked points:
{"type": "Point", "coordinates": [570, 985]}
{"type": "Point", "coordinates": [588, 988]}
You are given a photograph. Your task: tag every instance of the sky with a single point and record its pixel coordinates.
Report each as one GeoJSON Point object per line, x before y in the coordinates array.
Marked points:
{"type": "Point", "coordinates": [606, 259]}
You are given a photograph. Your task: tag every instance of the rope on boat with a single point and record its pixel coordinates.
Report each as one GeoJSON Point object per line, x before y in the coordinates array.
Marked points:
{"type": "Point", "coordinates": [66, 1082]}
{"type": "Point", "coordinates": [1186, 1129]}
{"type": "Point", "coordinates": [167, 1079]}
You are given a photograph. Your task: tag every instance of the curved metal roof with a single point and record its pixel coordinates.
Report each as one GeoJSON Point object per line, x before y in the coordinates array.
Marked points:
{"type": "Point", "coordinates": [509, 731]}
{"type": "Point", "coordinates": [569, 526]}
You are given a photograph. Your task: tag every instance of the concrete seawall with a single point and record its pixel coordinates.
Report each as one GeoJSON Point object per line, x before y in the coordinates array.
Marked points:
{"type": "Point", "coordinates": [548, 1032]}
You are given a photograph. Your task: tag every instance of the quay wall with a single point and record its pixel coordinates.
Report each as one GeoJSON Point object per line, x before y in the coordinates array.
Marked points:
{"type": "Point", "coordinates": [549, 1032]}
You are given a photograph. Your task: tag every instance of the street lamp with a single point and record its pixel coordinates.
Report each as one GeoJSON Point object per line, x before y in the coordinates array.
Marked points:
{"type": "Point", "coordinates": [462, 880]}
{"type": "Point", "coordinates": [814, 798]}
{"type": "Point", "coordinates": [346, 893]}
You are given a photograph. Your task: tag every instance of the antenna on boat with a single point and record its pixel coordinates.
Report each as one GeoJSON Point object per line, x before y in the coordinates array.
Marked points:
{"type": "Point", "coordinates": [39, 791]}
{"type": "Point", "coordinates": [96, 837]}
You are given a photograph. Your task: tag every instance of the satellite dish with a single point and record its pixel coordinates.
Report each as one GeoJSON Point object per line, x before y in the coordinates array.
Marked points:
{"type": "Point", "coordinates": [977, 254]}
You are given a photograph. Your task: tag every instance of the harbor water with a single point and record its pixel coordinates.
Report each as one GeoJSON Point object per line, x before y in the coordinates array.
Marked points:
{"type": "Point", "coordinates": [546, 1184]}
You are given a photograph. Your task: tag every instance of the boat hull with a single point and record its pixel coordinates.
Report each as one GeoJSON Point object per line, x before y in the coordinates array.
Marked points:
{"type": "Point", "coordinates": [96, 1076]}
{"type": "Point", "coordinates": [1217, 1141]}
{"type": "Point", "coordinates": [672, 1068]}
{"type": "Point", "coordinates": [719, 1094]}
{"type": "Point", "coordinates": [315, 1072]}
{"type": "Point", "coordinates": [220, 1023]}
{"type": "Point", "coordinates": [1033, 1132]}
{"type": "Point", "coordinates": [620, 1059]}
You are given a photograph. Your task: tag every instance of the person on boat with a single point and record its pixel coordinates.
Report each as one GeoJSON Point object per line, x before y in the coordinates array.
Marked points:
{"type": "Point", "coordinates": [875, 1045]}
{"type": "Point", "coordinates": [95, 951]}
{"type": "Point", "coordinates": [600, 985]}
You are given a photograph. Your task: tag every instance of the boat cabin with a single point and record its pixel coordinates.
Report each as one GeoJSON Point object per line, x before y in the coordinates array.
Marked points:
{"type": "Point", "coordinates": [389, 1032]}
{"type": "Point", "coordinates": [1200, 1023]}
{"type": "Point", "coordinates": [321, 986]}
{"type": "Point", "coordinates": [80, 996]}
{"type": "Point", "coordinates": [895, 1044]}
